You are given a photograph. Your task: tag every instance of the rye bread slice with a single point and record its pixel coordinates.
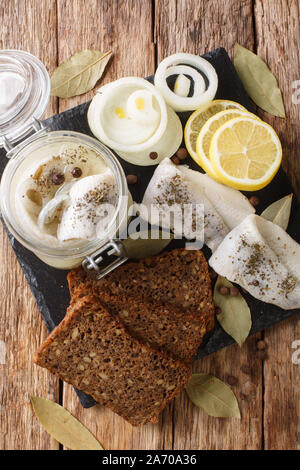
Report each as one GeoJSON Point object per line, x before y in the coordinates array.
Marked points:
{"type": "Point", "coordinates": [91, 350]}
{"type": "Point", "coordinates": [179, 277]}
{"type": "Point", "coordinates": [170, 329]}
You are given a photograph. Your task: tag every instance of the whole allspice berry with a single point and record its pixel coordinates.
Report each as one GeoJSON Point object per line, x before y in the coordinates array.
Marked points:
{"type": "Point", "coordinates": [224, 290]}
{"type": "Point", "coordinates": [76, 172]}
{"type": "Point", "coordinates": [231, 380]}
{"type": "Point", "coordinates": [153, 155]}
{"type": "Point", "coordinates": [254, 200]}
{"type": "Point", "coordinates": [261, 345]}
{"type": "Point", "coordinates": [131, 179]}
{"type": "Point", "coordinates": [181, 153]}
{"type": "Point", "coordinates": [58, 178]}
{"type": "Point", "coordinates": [175, 160]}
{"type": "Point", "coordinates": [234, 291]}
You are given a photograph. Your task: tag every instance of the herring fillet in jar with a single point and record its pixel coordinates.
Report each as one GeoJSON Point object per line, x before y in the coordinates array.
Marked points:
{"type": "Point", "coordinates": [64, 196]}
{"type": "Point", "coordinates": [67, 197]}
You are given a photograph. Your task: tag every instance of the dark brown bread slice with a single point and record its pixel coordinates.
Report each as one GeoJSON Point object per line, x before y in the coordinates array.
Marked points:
{"type": "Point", "coordinates": [179, 277]}
{"type": "Point", "coordinates": [91, 350]}
{"type": "Point", "coordinates": [172, 329]}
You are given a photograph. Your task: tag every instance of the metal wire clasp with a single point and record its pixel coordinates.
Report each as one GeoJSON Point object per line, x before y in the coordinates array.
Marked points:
{"type": "Point", "coordinates": [38, 128]}
{"type": "Point", "coordinates": [98, 263]}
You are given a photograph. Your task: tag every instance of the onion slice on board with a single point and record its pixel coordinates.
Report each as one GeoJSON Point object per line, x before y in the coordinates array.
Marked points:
{"type": "Point", "coordinates": [191, 64]}
{"type": "Point", "coordinates": [130, 116]}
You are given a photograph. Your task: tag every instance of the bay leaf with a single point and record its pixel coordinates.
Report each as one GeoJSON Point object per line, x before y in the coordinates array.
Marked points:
{"type": "Point", "coordinates": [61, 425]}
{"type": "Point", "coordinates": [148, 244]}
{"type": "Point", "coordinates": [213, 396]}
{"type": "Point", "coordinates": [79, 73]}
{"type": "Point", "coordinates": [258, 80]}
{"type": "Point", "coordinates": [279, 212]}
{"type": "Point", "coordinates": [235, 316]}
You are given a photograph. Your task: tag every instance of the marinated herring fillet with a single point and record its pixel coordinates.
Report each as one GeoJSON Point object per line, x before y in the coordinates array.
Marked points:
{"type": "Point", "coordinates": [91, 350]}
{"type": "Point", "coordinates": [191, 203]}
{"type": "Point", "coordinates": [171, 329]}
{"type": "Point", "coordinates": [262, 258]}
{"type": "Point", "coordinates": [179, 277]}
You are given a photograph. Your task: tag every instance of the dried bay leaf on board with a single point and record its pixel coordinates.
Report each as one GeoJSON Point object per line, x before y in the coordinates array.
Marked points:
{"type": "Point", "coordinates": [279, 212]}
{"type": "Point", "coordinates": [213, 396]}
{"type": "Point", "coordinates": [258, 80]}
{"type": "Point", "coordinates": [148, 243]}
{"type": "Point", "coordinates": [235, 316]}
{"type": "Point", "coordinates": [79, 73]}
{"type": "Point", "coordinates": [61, 425]}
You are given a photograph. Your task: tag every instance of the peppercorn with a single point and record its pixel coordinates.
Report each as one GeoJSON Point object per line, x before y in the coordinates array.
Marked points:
{"type": "Point", "coordinates": [58, 178]}
{"type": "Point", "coordinates": [76, 172]}
{"type": "Point", "coordinates": [218, 310]}
{"type": "Point", "coordinates": [175, 160]}
{"type": "Point", "coordinates": [254, 200]}
{"type": "Point", "coordinates": [224, 290]}
{"type": "Point", "coordinates": [153, 155]}
{"type": "Point", "coordinates": [131, 179]}
{"type": "Point", "coordinates": [231, 380]}
{"type": "Point", "coordinates": [181, 153]}
{"type": "Point", "coordinates": [234, 291]}
{"type": "Point", "coordinates": [261, 345]}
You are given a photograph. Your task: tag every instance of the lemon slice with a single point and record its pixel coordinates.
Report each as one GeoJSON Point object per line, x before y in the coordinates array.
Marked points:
{"type": "Point", "coordinates": [245, 153]}
{"type": "Point", "coordinates": [199, 118]}
{"type": "Point", "coordinates": [206, 134]}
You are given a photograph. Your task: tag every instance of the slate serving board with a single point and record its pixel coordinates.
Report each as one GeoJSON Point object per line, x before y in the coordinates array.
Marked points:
{"type": "Point", "coordinates": [49, 285]}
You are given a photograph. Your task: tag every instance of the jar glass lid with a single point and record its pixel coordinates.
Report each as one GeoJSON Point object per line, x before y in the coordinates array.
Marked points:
{"type": "Point", "coordinates": [24, 93]}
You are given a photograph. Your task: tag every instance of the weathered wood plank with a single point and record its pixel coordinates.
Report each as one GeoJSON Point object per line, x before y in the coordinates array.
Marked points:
{"type": "Point", "coordinates": [278, 43]}
{"type": "Point", "coordinates": [125, 27]}
{"type": "Point", "coordinates": [278, 39]}
{"type": "Point", "coordinates": [199, 27]}
{"type": "Point", "coordinates": [27, 25]}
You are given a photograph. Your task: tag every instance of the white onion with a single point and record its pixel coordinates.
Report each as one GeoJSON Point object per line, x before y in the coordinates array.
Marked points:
{"type": "Point", "coordinates": [166, 146]}
{"type": "Point", "coordinates": [49, 210]}
{"type": "Point", "coordinates": [182, 71]}
{"type": "Point", "coordinates": [182, 85]}
{"type": "Point", "coordinates": [189, 62]}
{"type": "Point", "coordinates": [134, 131]}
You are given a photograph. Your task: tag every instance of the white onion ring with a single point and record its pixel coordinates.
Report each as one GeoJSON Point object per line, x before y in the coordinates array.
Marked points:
{"type": "Point", "coordinates": [165, 147]}
{"type": "Point", "coordinates": [103, 97]}
{"type": "Point", "coordinates": [183, 70]}
{"type": "Point", "coordinates": [182, 85]}
{"type": "Point", "coordinates": [182, 103]}
{"type": "Point", "coordinates": [50, 208]}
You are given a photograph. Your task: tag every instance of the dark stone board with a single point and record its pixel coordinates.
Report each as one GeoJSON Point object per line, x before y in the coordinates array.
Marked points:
{"type": "Point", "coordinates": [49, 285]}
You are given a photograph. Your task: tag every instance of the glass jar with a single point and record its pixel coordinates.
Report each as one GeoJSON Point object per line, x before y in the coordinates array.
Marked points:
{"type": "Point", "coordinates": [41, 141]}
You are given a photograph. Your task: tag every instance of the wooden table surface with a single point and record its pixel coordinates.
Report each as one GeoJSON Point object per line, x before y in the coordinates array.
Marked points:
{"type": "Point", "coordinates": [141, 33]}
